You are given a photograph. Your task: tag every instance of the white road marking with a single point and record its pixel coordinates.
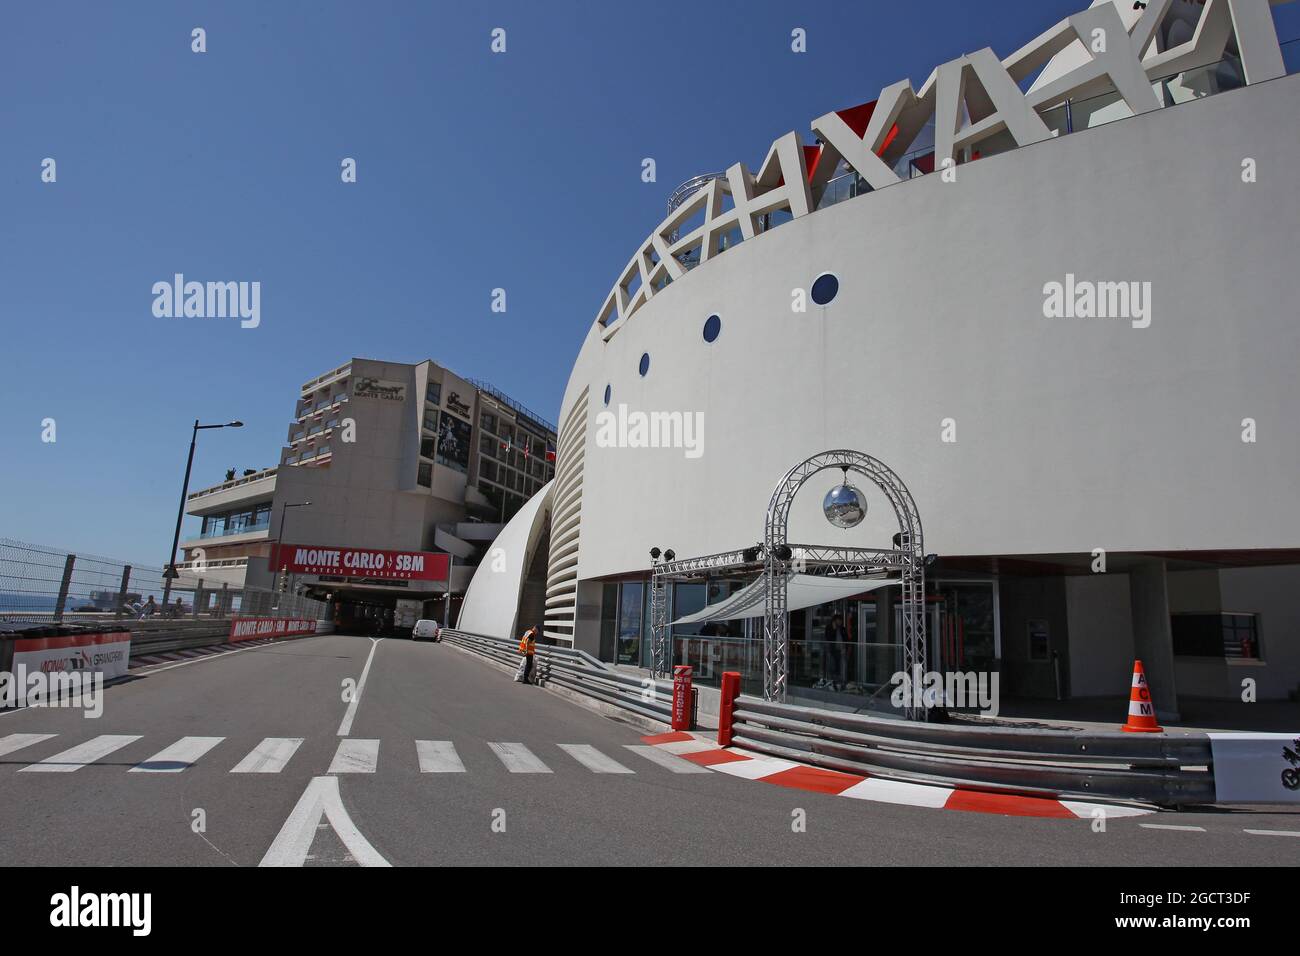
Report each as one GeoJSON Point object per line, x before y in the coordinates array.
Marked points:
{"type": "Point", "coordinates": [355, 756]}
{"type": "Point", "coordinates": [270, 756]}
{"type": "Point", "coordinates": [693, 746]}
{"type": "Point", "coordinates": [438, 756]}
{"type": "Point", "coordinates": [1172, 826]}
{"type": "Point", "coordinates": [1282, 833]}
{"type": "Point", "coordinates": [295, 838]}
{"type": "Point", "coordinates": [656, 755]}
{"type": "Point", "coordinates": [18, 741]}
{"type": "Point", "coordinates": [1110, 811]}
{"type": "Point", "coordinates": [899, 791]}
{"type": "Point", "coordinates": [82, 754]}
{"type": "Point", "coordinates": [179, 756]}
{"type": "Point", "coordinates": [593, 759]}
{"type": "Point", "coordinates": [345, 728]}
{"type": "Point", "coordinates": [518, 758]}
{"type": "Point", "coordinates": [753, 768]}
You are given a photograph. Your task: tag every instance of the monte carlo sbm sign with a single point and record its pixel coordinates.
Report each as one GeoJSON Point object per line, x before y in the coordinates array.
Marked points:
{"type": "Point", "coordinates": [359, 562]}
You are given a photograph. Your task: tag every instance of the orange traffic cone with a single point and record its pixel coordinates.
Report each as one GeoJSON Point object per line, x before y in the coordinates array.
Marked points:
{"type": "Point", "coordinates": [1141, 711]}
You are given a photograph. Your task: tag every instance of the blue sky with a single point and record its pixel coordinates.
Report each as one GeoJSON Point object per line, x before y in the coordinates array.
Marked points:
{"type": "Point", "coordinates": [475, 171]}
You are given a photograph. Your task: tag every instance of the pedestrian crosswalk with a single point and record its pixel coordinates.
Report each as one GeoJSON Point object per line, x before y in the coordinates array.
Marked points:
{"type": "Point", "coordinates": [351, 755]}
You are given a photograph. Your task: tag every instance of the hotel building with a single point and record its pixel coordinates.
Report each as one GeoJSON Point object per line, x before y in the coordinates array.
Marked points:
{"type": "Point", "coordinates": [392, 457]}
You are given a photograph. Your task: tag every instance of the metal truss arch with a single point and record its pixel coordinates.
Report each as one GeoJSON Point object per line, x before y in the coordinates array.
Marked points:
{"type": "Point", "coordinates": [908, 555]}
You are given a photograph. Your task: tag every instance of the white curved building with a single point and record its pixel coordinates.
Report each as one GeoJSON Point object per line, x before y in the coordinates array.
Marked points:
{"type": "Point", "coordinates": [1063, 309]}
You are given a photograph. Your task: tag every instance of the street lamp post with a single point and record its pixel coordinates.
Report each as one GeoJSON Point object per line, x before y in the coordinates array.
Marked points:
{"type": "Point", "coordinates": [279, 535]}
{"type": "Point", "coordinates": [170, 573]}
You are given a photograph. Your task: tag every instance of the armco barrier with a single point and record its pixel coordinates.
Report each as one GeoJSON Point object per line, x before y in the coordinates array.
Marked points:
{"type": "Point", "coordinates": [1167, 770]}
{"type": "Point", "coordinates": [578, 671]}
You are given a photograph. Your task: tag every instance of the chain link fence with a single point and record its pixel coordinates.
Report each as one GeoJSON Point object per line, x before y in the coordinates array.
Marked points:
{"type": "Point", "coordinates": [41, 585]}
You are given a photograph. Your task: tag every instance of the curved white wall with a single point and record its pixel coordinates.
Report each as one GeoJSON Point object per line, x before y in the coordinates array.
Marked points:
{"type": "Point", "coordinates": [1072, 434]}
{"type": "Point", "coordinates": [492, 598]}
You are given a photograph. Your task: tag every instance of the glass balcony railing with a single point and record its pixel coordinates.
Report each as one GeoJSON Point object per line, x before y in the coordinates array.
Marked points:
{"type": "Point", "coordinates": [236, 527]}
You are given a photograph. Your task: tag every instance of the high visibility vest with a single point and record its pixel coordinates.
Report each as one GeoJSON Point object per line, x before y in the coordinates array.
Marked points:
{"type": "Point", "coordinates": [527, 644]}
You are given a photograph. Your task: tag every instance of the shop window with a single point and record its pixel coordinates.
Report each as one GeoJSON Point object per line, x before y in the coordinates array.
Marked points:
{"type": "Point", "coordinates": [1231, 636]}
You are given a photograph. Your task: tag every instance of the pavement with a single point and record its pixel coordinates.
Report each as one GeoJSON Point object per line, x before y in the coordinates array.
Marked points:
{"type": "Point", "coordinates": [341, 751]}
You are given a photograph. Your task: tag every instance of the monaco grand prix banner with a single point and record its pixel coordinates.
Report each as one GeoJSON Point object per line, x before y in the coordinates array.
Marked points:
{"type": "Point", "coordinates": [107, 654]}
{"type": "Point", "coordinates": [248, 628]}
{"type": "Point", "coordinates": [360, 562]}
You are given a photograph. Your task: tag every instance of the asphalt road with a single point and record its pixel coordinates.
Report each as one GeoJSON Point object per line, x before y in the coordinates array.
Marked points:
{"type": "Point", "coordinates": [360, 797]}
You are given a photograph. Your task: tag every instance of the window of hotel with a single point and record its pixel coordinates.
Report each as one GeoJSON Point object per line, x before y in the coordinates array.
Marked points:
{"type": "Point", "coordinates": [1229, 635]}
{"type": "Point", "coordinates": [433, 393]}
{"type": "Point", "coordinates": [426, 447]}
{"type": "Point", "coordinates": [488, 421]}
{"type": "Point", "coordinates": [425, 475]}
{"type": "Point", "coordinates": [487, 469]}
{"type": "Point", "coordinates": [507, 434]}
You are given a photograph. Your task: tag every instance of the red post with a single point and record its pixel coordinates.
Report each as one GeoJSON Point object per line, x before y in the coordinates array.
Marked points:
{"type": "Point", "coordinates": [681, 697]}
{"type": "Point", "coordinates": [730, 691]}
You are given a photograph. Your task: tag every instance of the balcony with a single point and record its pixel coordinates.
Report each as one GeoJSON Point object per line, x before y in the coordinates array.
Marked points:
{"type": "Point", "coordinates": [327, 378]}
{"type": "Point", "coordinates": [236, 528]}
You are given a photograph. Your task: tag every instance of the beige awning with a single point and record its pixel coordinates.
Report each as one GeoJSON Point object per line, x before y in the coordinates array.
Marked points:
{"type": "Point", "coordinates": [803, 590]}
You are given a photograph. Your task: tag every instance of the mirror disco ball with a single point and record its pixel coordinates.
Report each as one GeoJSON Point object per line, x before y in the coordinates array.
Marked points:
{"type": "Point", "coordinates": [844, 506]}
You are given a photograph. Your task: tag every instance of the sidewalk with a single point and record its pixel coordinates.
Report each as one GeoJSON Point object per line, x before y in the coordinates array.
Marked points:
{"type": "Point", "coordinates": [1109, 713]}
{"type": "Point", "coordinates": [1089, 714]}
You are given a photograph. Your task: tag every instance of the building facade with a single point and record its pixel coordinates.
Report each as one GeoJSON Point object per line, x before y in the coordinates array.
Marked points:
{"type": "Point", "coordinates": [410, 459]}
{"type": "Point", "coordinates": [1055, 292]}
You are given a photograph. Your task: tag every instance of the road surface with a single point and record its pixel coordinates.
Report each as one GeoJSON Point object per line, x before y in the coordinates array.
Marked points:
{"type": "Point", "coordinates": [256, 758]}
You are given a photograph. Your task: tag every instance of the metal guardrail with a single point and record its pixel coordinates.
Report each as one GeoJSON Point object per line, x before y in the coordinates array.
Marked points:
{"type": "Point", "coordinates": [577, 671]}
{"type": "Point", "coordinates": [42, 585]}
{"type": "Point", "coordinates": [1155, 769]}
{"type": "Point", "coordinates": [154, 637]}
{"type": "Point", "coordinates": [1158, 769]}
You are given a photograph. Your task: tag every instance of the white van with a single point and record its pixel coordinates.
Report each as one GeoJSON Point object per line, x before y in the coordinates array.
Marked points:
{"type": "Point", "coordinates": [424, 628]}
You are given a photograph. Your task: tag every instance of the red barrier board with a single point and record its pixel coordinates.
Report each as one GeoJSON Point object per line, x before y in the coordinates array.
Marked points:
{"type": "Point", "coordinates": [107, 653]}
{"type": "Point", "coordinates": [248, 628]}
{"type": "Point", "coordinates": [681, 697]}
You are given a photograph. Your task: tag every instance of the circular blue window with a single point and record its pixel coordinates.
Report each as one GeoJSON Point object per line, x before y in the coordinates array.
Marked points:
{"type": "Point", "coordinates": [824, 288]}
{"type": "Point", "coordinates": [607, 391]}
{"type": "Point", "coordinates": [645, 363]}
{"type": "Point", "coordinates": [712, 328]}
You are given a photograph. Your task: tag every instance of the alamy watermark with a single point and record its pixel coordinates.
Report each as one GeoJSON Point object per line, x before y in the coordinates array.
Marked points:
{"type": "Point", "coordinates": [208, 300]}
{"type": "Point", "coordinates": [53, 688]}
{"type": "Point", "coordinates": [955, 689]}
{"type": "Point", "coordinates": [1085, 299]}
{"type": "Point", "coordinates": [624, 429]}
